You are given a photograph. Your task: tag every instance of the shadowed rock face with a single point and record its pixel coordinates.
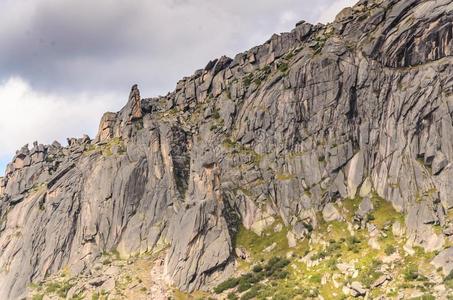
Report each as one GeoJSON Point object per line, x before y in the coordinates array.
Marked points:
{"type": "Point", "coordinates": [362, 105]}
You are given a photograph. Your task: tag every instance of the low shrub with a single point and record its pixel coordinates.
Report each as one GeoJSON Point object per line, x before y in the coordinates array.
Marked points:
{"type": "Point", "coordinates": [333, 247]}
{"type": "Point", "coordinates": [319, 255]}
{"type": "Point", "coordinates": [226, 285]}
{"type": "Point", "coordinates": [275, 264]}
{"type": "Point", "coordinates": [390, 249]}
{"type": "Point", "coordinates": [425, 297]}
{"type": "Point", "coordinates": [232, 296]}
{"type": "Point", "coordinates": [283, 67]}
{"type": "Point", "coordinates": [257, 268]}
{"type": "Point", "coordinates": [449, 276]}
{"type": "Point", "coordinates": [244, 286]}
{"type": "Point", "coordinates": [353, 240]}
{"type": "Point", "coordinates": [252, 293]}
{"type": "Point", "coordinates": [411, 273]}
{"type": "Point", "coordinates": [316, 278]}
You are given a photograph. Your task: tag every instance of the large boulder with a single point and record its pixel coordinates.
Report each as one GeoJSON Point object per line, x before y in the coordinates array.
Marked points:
{"type": "Point", "coordinates": [444, 260]}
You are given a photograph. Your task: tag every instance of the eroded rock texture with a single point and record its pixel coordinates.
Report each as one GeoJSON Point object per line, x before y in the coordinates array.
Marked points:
{"type": "Point", "coordinates": [359, 106]}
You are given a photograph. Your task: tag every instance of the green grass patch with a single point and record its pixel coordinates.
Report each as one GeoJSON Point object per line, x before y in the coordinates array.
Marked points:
{"type": "Point", "coordinates": [250, 284]}
{"type": "Point", "coordinates": [283, 67]}
{"type": "Point", "coordinates": [384, 213]}
{"type": "Point", "coordinates": [255, 244]}
{"type": "Point", "coordinates": [226, 285]}
{"type": "Point", "coordinates": [389, 250]}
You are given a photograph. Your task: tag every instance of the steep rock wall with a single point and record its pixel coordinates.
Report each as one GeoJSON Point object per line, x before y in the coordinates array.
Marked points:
{"type": "Point", "coordinates": [314, 116]}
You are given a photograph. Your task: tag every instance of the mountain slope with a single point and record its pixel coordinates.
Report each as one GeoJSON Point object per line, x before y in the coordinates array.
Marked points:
{"type": "Point", "coordinates": [360, 108]}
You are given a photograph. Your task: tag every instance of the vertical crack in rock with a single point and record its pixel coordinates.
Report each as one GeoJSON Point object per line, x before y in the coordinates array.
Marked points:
{"type": "Point", "coordinates": [180, 153]}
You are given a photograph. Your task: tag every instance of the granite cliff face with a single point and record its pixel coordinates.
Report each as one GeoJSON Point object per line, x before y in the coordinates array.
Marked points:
{"type": "Point", "coordinates": [358, 108]}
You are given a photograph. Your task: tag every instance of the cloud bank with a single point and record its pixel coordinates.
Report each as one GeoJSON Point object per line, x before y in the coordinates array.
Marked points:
{"type": "Point", "coordinates": [28, 115]}
{"type": "Point", "coordinates": [75, 45]}
{"type": "Point", "coordinates": [64, 62]}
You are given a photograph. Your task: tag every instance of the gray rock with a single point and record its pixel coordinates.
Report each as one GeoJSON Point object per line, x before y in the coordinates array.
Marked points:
{"type": "Point", "coordinates": [398, 229]}
{"type": "Point", "coordinates": [419, 227]}
{"type": "Point", "coordinates": [439, 163]}
{"type": "Point", "coordinates": [278, 228]}
{"type": "Point", "coordinates": [365, 207]}
{"type": "Point", "coordinates": [330, 213]}
{"type": "Point", "coordinates": [381, 280]}
{"type": "Point", "coordinates": [96, 282]}
{"type": "Point", "coordinates": [310, 117]}
{"type": "Point", "coordinates": [444, 260]}
{"type": "Point", "coordinates": [241, 253]}
{"type": "Point", "coordinates": [357, 289]}
{"type": "Point", "coordinates": [292, 241]}
{"type": "Point", "coordinates": [108, 285]}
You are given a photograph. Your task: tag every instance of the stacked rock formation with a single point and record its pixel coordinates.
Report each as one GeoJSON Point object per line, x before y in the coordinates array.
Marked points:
{"type": "Point", "coordinates": [360, 106]}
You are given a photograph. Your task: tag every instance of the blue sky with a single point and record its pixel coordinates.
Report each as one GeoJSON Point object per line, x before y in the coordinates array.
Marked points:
{"type": "Point", "coordinates": [60, 72]}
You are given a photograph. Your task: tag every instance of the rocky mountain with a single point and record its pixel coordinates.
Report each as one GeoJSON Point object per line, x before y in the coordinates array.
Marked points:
{"type": "Point", "coordinates": [322, 158]}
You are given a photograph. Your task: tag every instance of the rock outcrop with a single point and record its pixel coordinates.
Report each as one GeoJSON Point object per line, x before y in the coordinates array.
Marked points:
{"type": "Point", "coordinates": [284, 130]}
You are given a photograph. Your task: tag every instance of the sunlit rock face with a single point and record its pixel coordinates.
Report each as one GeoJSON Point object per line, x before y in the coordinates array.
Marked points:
{"type": "Point", "coordinates": [357, 107]}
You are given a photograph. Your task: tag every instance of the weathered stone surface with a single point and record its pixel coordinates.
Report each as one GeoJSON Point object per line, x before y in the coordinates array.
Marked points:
{"type": "Point", "coordinates": [355, 173]}
{"type": "Point", "coordinates": [280, 132]}
{"type": "Point", "coordinates": [365, 207]}
{"type": "Point", "coordinates": [330, 213]}
{"type": "Point", "coordinates": [439, 163]}
{"type": "Point", "coordinates": [292, 241]}
{"type": "Point", "coordinates": [444, 260]}
{"type": "Point", "coordinates": [357, 289]}
{"type": "Point", "coordinates": [398, 229]}
{"type": "Point", "coordinates": [381, 281]}
{"type": "Point", "coordinates": [419, 228]}
{"type": "Point", "coordinates": [105, 131]}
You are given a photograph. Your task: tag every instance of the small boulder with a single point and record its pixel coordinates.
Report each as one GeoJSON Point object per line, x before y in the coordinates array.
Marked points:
{"type": "Point", "coordinates": [336, 280]}
{"type": "Point", "coordinates": [366, 188]}
{"type": "Point", "coordinates": [292, 242]}
{"type": "Point", "coordinates": [346, 269]}
{"type": "Point", "coordinates": [98, 281]}
{"type": "Point", "coordinates": [108, 285]}
{"type": "Point", "coordinates": [330, 213]}
{"type": "Point", "coordinates": [344, 15]}
{"type": "Point", "coordinates": [373, 243]}
{"type": "Point", "coordinates": [381, 280]}
{"type": "Point", "coordinates": [365, 207]}
{"type": "Point", "coordinates": [241, 253]}
{"type": "Point", "coordinates": [270, 248]}
{"type": "Point", "coordinates": [398, 229]}
{"type": "Point", "coordinates": [300, 231]}
{"type": "Point", "coordinates": [260, 225]}
{"type": "Point", "coordinates": [357, 289]}
{"type": "Point", "coordinates": [394, 257]}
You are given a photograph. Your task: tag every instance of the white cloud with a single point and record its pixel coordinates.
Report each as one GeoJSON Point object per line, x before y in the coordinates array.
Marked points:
{"type": "Point", "coordinates": [330, 10]}
{"type": "Point", "coordinates": [28, 115]}
{"type": "Point", "coordinates": [79, 45]}
{"type": "Point", "coordinates": [65, 62]}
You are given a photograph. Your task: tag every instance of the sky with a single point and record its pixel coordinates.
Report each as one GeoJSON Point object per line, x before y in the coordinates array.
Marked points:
{"type": "Point", "coordinates": [63, 63]}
